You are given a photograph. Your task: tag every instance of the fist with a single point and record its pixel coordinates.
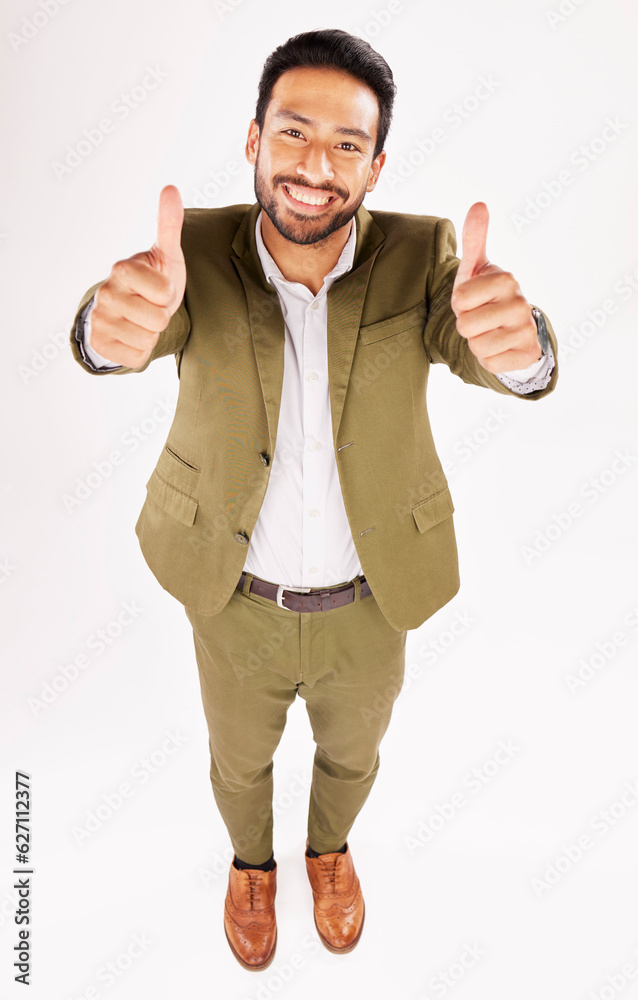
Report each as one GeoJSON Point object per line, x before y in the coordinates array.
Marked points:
{"type": "Point", "coordinates": [141, 294]}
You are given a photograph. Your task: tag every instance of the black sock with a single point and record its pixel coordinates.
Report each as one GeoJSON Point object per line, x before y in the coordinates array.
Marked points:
{"type": "Point", "coordinates": [313, 854]}
{"type": "Point", "coordinates": [266, 866]}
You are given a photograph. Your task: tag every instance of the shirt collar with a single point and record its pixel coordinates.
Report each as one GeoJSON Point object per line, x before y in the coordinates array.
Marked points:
{"type": "Point", "coordinates": [271, 270]}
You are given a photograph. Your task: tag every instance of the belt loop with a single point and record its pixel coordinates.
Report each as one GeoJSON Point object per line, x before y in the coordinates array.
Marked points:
{"type": "Point", "coordinates": [248, 579]}
{"type": "Point", "coordinates": [357, 589]}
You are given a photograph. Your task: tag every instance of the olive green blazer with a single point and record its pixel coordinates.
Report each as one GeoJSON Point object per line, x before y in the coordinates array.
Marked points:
{"type": "Point", "coordinates": [389, 319]}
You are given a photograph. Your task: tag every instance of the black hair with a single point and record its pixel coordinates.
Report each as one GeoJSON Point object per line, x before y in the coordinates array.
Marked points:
{"type": "Point", "coordinates": [334, 48]}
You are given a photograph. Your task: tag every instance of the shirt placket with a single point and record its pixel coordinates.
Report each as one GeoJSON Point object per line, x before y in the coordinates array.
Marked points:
{"type": "Point", "coordinates": [305, 410]}
{"type": "Point", "coordinates": [315, 404]}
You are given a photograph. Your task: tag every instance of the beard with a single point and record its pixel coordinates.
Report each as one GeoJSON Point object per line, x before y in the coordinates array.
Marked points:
{"type": "Point", "coordinates": [297, 227]}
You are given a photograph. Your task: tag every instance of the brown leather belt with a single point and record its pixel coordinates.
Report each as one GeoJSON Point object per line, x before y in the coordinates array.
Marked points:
{"type": "Point", "coordinates": [310, 599]}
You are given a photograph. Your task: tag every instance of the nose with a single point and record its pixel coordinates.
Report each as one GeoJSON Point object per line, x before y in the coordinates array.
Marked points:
{"type": "Point", "coordinates": [315, 165]}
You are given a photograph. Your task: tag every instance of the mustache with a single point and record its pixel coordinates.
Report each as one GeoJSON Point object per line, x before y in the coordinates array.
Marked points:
{"type": "Point", "coordinates": [296, 183]}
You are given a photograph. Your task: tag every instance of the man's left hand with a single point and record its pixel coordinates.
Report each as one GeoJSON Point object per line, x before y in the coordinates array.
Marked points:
{"type": "Point", "coordinates": [491, 311]}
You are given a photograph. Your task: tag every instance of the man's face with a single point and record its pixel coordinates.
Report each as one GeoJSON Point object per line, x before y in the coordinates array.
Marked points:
{"type": "Point", "coordinates": [317, 142]}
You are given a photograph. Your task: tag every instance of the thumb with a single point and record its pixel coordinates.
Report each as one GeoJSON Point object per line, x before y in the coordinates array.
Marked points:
{"type": "Point", "coordinates": [170, 219]}
{"type": "Point", "coordinates": [474, 238]}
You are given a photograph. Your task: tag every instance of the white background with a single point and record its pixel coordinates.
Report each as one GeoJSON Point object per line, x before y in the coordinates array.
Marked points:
{"type": "Point", "coordinates": [158, 866]}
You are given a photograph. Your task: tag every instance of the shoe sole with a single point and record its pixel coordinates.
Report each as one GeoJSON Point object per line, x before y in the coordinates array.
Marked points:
{"type": "Point", "coordinates": [349, 947]}
{"type": "Point", "coordinates": [248, 965]}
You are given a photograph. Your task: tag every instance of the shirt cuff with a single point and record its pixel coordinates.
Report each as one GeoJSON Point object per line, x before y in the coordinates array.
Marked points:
{"type": "Point", "coordinates": [82, 334]}
{"type": "Point", "coordinates": [535, 376]}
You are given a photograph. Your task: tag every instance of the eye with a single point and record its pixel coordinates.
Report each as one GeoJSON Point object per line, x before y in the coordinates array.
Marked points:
{"type": "Point", "coordinates": [352, 146]}
{"type": "Point", "coordinates": [288, 131]}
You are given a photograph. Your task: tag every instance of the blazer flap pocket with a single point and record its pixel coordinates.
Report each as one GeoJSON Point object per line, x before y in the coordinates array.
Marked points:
{"type": "Point", "coordinates": [436, 508]}
{"type": "Point", "coordinates": [414, 317]}
{"type": "Point", "coordinates": [179, 505]}
{"type": "Point", "coordinates": [172, 485]}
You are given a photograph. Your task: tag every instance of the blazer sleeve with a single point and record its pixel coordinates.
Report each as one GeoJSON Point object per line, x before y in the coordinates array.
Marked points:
{"type": "Point", "coordinates": [171, 340]}
{"type": "Point", "coordinates": [442, 341]}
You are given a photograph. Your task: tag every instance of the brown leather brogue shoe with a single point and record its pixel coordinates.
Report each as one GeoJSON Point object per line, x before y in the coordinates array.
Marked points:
{"type": "Point", "coordinates": [249, 916]}
{"type": "Point", "coordinates": [338, 902]}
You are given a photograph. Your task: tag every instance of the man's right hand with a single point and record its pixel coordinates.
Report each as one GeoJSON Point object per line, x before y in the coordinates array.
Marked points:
{"type": "Point", "coordinates": [141, 294]}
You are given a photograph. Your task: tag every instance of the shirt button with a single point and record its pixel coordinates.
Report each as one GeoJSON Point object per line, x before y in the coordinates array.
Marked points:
{"type": "Point", "coordinates": [317, 445]}
{"type": "Point", "coordinates": [314, 513]}
{"type": "Point", "coordinates": [314, 304]}
{"type": "Point", "coordinates": [312, 377]}
{"type": "Point", "coordinates": [241, 537]}
{"type": "Point", "coordinates": [313, 569]}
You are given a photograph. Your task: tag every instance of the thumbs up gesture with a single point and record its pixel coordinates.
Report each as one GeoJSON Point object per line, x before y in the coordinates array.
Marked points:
{"type": "Point", "coordinates": [491, 311]}
{"type": "Point", "coordinates": [142, 292]}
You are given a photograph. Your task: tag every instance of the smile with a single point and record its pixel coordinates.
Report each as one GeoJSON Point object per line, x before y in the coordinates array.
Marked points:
{"type": "Point", "coordinates": [299, 196]}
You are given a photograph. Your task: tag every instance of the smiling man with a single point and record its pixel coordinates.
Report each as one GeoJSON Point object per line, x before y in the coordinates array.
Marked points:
{"type": "Point", "coordinates": [299, 510]}
{"type": "Point", "coordinates": [308, 197]}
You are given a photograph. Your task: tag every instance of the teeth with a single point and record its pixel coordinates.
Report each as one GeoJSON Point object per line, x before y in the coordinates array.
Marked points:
{"type": "Point", "coordinates": [306, 199]}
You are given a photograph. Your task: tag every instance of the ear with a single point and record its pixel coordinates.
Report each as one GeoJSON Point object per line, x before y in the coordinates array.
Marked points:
{"type": "Point", "coordinates": [252, 142]}
{"type": "Point", "coordinates": [375, 170]}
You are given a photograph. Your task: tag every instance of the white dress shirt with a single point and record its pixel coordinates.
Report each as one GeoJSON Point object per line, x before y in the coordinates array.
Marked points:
{"type": "Point", "coordinates": [302, 537]}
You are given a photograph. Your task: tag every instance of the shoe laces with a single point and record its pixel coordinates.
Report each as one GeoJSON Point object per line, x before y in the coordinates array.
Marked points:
{"type": "Point", "coordinates": [329, 871]}
{"type": "Point", "coordinates": [255, 886]}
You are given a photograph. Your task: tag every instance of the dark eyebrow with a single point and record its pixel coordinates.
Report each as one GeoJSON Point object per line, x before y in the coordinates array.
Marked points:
{"type": "Point", "coordinates": [341, 129]}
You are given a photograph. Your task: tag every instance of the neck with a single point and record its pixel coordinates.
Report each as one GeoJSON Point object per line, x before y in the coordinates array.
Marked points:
{"type": "Point", "coordinates": [307, 264]}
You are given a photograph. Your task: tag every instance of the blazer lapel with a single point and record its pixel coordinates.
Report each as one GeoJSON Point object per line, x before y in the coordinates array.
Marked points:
{"type": "Point", "coordinates": [264, 316]}
{"type": "Point", "coordinates": [345, 304]}
{"type": "Point", "coordinates": [346, 296]}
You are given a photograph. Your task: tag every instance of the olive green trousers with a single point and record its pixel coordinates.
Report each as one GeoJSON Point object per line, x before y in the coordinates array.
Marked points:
{"type": "Point", "coordinates": [253, 658]}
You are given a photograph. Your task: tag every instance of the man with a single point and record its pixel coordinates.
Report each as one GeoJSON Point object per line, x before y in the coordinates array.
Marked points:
{"type": "Point", "coordinates": [299, 509]}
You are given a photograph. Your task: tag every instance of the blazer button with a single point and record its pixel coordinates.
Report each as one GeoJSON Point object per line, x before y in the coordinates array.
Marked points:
{"type": "Point", "coordinates": [241, 537]}
{"type": "Point", "coordinates": [264, 457]}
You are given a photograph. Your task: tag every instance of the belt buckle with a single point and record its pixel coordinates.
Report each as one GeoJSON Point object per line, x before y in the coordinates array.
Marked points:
{"type": "Point", "coordinates": [280, 590]}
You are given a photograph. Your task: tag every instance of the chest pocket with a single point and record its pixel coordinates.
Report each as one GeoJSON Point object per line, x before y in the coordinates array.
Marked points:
{"type": "Point", "coordinates": [410, 320]}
